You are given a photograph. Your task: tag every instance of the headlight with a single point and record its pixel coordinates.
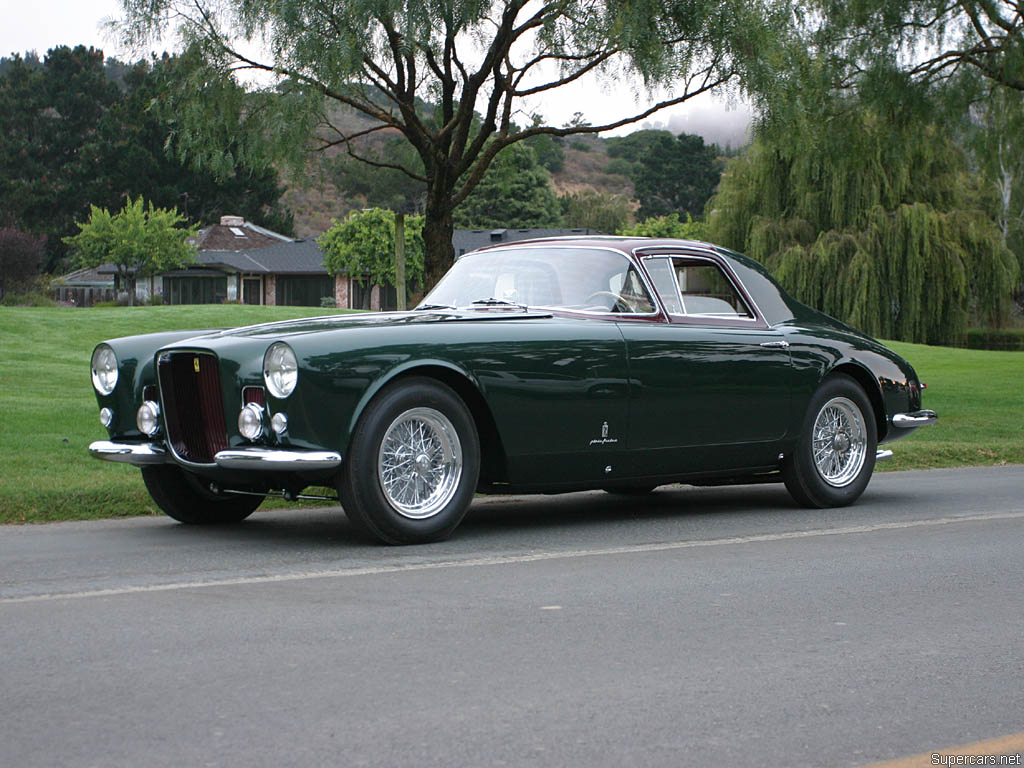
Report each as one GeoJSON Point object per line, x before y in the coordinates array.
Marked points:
{"type": "Point", "coordinates": [104, 369]}
{"type": "Point", "coordinates": [280, 370]}
{"type": "Point", "coordinates": [148, 418]}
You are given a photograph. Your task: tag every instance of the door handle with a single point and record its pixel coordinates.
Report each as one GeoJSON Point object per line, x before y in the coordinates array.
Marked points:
{"type": "Point", "coordinates": [775, 344]}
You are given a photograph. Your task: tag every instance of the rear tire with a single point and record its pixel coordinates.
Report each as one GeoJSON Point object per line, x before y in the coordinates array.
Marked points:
{"type": "Point", "coordinates": [412, 465]}
{"type": "Point", "coordinates": [184, 497]}
{"type": "Point", "coordinates": [835, 453]}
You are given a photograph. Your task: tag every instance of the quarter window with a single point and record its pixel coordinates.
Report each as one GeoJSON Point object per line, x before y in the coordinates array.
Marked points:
{"type": "Point", "coordinates": [697, 288]}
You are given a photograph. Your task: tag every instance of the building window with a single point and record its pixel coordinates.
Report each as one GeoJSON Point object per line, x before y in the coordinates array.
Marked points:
{"type": "Point", "coordinates": [303, 291]}
{"type": "Point", "coordinates": [195, 290]}
{"type": "Point", "coordinates": [252, 290]}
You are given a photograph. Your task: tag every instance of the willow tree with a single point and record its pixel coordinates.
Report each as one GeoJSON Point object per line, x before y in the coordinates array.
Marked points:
{"type": "Point", "coordinates": [872, 219]}
{"type": "Point", "coordinates": [448, 75]}
{"type": "Point", "coordinates": [930, 41]}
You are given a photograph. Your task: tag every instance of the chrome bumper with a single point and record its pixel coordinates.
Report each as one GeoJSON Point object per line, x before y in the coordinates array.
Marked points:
{"type": "Point", "coordinates": [272, 459]}
{"type": "Point", "coordinates": [265, 459]}
{"type": "Point", "coordinates": [129, 453]}
{"type": "Point", "coordinates": [915, 419]}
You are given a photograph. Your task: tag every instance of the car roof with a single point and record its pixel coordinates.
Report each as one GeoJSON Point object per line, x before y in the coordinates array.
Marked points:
{"type": "Point", "coordinates": [627, 243]}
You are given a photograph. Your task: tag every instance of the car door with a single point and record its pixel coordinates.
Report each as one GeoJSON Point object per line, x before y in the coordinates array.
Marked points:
{"type": "Point", "coordinates": [710, 389]}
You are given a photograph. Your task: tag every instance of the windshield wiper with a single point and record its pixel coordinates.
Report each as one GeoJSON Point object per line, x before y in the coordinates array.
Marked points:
{"type": "Point", "coordinates": [493, 302]}
{"type": "Point", "coordinates": [433, 306]}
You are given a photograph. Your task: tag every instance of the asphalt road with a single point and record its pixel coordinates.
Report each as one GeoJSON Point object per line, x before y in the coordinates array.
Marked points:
{"type": "Point", "coordinates": [715, 627]}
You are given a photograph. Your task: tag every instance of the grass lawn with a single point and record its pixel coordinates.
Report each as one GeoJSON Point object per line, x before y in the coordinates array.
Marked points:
{"type": "Point", "coordinates": [979, 397]}
{"type": "Point", "coordinates": [48, 413]}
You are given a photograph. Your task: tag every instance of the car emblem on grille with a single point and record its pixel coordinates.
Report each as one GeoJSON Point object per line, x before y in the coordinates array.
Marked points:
{"type": "Point", "coordinates": [195, 363]}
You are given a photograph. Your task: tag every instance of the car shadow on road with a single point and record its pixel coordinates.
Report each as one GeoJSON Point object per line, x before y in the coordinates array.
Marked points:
{"type": "Point", "coordinates": [598, 507]}
{"type": "Point", "coordinates": [320, 530]}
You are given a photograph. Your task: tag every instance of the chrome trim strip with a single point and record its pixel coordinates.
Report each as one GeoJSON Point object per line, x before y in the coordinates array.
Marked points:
{"type": "Point", "coordinates": [882, 454]}
{"type": "Point", "coordinates": [915, 419]}
{"type": "Point", "coordinates": [140, 454]}
{"type": "Point", "coordinates": [275, 459]}
{"type": "Point", "coordinates": [775, 344]}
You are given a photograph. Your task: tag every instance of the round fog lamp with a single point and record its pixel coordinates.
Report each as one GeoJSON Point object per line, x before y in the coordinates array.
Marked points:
{"type": "Point", "coordinates": [148, 418]}
{"type": "Point", "coordinates": [250, 421]}
{"type": "Point", "coordinates": [279, 423]}
{"type": "Point", "coordinates": [106, 417]}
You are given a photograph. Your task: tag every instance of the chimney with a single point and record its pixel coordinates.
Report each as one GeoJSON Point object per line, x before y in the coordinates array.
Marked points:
{"type": "Point", "coordinates": [232, 221]}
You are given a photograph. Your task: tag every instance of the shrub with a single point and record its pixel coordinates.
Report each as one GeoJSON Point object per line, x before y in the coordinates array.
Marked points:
{"type": "Point", "coordinates": [328, 302]}
{"type": "Point", "coordinates": [1006, 339]}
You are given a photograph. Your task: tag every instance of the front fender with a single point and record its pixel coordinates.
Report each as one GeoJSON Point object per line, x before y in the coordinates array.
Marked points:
{"type": "Point", "coordinates": [402, 369]}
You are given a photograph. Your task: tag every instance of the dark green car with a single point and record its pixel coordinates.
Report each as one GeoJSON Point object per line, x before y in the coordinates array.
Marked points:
{"type": "Point", "coordinates": [543, 366]}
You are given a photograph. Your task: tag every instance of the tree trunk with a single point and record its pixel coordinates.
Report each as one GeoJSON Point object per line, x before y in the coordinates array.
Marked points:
{"type": "Point", "coordinates": [400, 261]}
{"type": "Point", "coordinates": [437, 242]}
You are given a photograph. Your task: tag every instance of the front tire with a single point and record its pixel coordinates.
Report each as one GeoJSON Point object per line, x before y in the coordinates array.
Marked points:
{"type": "Point", "coordinates": [413, 464]}
{"type": "Point", "coordinates": [183, 496]}
{"type": "Point", "coordinates": [835, 453]}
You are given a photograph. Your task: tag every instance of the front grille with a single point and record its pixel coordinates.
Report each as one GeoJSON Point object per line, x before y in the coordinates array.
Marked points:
{"type": "Point", "coordinates": [192, 405]}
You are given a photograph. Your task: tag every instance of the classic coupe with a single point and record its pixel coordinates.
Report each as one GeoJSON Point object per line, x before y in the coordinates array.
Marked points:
{"type": "Point", "coordinates": [536, 367]}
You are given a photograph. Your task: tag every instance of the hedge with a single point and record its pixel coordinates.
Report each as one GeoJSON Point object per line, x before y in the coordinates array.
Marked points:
{"type": "Point", "coordinates": [1006, 339]}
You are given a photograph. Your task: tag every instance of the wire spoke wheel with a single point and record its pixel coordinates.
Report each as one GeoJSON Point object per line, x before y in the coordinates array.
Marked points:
{"type": "Point", "coordinates": [419, 464]}
{"type": "Point", "coordinates": [839, 442]}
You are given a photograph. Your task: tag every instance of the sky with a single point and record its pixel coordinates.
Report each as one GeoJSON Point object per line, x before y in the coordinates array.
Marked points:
{"type": "Point", "coordinates": [27, 25]}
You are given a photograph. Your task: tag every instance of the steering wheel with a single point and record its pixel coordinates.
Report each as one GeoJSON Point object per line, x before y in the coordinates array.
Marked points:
{"type": "Point", "coordinates": [618, 299]}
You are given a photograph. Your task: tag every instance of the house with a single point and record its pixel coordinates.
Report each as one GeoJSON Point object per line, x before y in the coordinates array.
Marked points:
{"type": "Point", "coordinates": [85, 287]}
{"type": "Point", "coordinates": [238, 261]}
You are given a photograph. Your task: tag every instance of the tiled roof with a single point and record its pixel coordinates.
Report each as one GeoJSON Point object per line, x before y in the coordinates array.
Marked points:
{"type": "Point", "coordinates": [242, 237]}
{"type": "Point", "coordinates": [295, 257]}
{"type": "Point", "coordinates": [88, 276]}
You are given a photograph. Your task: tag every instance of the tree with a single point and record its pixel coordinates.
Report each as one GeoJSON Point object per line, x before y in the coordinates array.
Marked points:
{"type": "Point", "coordinates": [71, 138]}
{"type": "Point", "coordinates": [599, 211]}
{"type": "Point", "coordinates": [131, 156]}
{"type": "Point", "coordinates": [677, 175]}
{"type": "Point", "coordinates": [363, 245]}
{"type": "Point", "coordinates": [929, 42]}
{"type": "Point", "coordinates": [669, 226]}
{"type": "Point", "coordinates": [50, 112]}
{"type": "Point", "coordinates": [476, 61]}
{"type": "Point", "coordinates": [871, 219]}
{"type": "Point", "coordinates": [515, 192]}
{"type": "Point", "coordinates": [21, 255]}
{"type": "Point", "coordinates": [139, 241]}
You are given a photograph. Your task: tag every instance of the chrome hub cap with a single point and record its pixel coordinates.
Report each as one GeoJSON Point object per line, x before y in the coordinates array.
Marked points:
{"type": "Point", "coordinates": [839, 442]}
{"type": "Point", "coordinates": [420, 463]}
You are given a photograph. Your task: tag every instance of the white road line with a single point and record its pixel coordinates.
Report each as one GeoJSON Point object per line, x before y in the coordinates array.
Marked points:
{"type": "Point", "coordinates": [513, 559]}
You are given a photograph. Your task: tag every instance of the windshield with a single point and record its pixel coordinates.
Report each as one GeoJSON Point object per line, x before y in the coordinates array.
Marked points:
{"type": "Point", "coordinates": [580, 279]}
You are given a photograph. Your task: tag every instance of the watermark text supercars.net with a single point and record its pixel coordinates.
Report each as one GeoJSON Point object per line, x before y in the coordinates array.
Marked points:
{"type": "Point", "coordinates": [950, 760]}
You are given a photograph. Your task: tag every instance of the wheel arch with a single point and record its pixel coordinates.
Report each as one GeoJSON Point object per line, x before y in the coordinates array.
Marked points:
{"type": "Point", "coordinates": [492, 450]}
{"type": "Point", "coordinates": [871, 388]}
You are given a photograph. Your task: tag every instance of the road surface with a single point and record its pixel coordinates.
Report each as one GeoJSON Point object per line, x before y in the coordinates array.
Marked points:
{"type": "Point", "coordinates": [719, 626]}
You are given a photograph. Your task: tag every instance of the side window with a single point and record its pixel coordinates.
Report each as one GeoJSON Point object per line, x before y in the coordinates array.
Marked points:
{"type": "Point", "coordinates": [705, 291]}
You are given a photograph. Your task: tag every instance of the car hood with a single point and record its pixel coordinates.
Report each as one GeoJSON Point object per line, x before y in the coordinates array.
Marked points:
{"type": "Point", "coordinates": [307, 325]}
